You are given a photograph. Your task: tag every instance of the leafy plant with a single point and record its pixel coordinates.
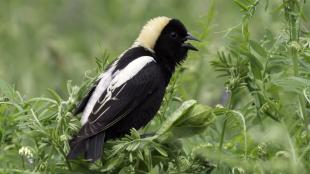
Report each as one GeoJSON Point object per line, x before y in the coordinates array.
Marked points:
{"type": "Point", "coordinates": [44, 125]}
{"type": "Point", "coordinates": [267, 74]}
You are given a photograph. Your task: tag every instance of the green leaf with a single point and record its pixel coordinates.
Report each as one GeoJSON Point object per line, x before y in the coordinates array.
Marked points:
{"type": "Point", "coordinates": [161, 151]}
{"type": "Point", "coordinates": [133, 146]}
{"type": "Point", "coordinates": [134, 133]}
{"type": "Point", "coordinates": [258, 49]}
{"type": "Point", "coordinates": [69, 86]}
{"type": "Point", "coordinates": [112, 163]}
{"type": "Point", "coordinates": [155, 170]}
{"type": "Point", "coordinates": [130, 157]}
{"type": "Point", "coordinates": [168, 124]}
{"type": "Point", "coordinates": [293, 84]}
{"type": "Point", "coordinates": [245, 29]}
{"type": "Point", "coordinates": [140, 155]}
{"type": "Point", "coordinates": [55, 95]}
{"type": "Point", "coordinates": [190, 119]}
{"type": "Point", "coordinates": [198, 116]}
{"type": "Point", "coordinates": [241, 5]}
{"type": "Point", "coordinates": [256, 66]}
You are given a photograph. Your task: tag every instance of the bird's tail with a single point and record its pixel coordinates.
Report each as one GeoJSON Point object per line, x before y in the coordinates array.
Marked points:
{"type": "Point", "coordinates": [91, 148]}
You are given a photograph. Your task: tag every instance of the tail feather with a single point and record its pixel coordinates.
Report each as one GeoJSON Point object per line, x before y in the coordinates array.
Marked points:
{"type": "Point", "coordinates": [91, 148]}
{"type": "Point", "coordinates": [95, 147]}
{"type": "Point", "coordinates": [76, 148]}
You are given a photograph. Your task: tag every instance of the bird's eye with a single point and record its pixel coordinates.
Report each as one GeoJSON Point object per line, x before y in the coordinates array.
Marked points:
{"type": "Point", "coordinates": [173, 35]}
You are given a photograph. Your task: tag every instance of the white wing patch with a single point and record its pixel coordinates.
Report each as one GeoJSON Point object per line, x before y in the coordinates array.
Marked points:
{"type": "Point", "coordinates": [106, 79]}
{"type": "Point", "coordinates": [130, 71]}
{"type": "Point", "coordinates": [111, 81]}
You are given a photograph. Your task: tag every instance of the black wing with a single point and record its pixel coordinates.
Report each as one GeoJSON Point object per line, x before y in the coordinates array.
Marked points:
{"type": "Point", "coordinates": [115, 105]}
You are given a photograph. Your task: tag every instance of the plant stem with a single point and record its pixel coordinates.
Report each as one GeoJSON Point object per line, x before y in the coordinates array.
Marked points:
{"type": "Point", "coordinates": [64, 155]}
{"type": "Point", "coordinates": [222, 135]}
{"type": "Point", "coordinates": [169, 99]}
{"type": "Point", "coordinates": [229, 106]}
{"type": "Point", "coordinates": [293, 13]}
{"type": "Point", "coordinates": [199, 78]}
{"type": "Point", "coordinates": [23, 162]}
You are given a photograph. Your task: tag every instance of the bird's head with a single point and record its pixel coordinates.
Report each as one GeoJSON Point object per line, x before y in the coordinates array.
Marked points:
{"type": "Point", "coordinates": [167, 38]}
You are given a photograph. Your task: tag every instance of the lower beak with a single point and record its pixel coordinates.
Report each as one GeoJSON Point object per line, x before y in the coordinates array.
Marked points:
{"type": "Point", "coordinates": [188, 45]}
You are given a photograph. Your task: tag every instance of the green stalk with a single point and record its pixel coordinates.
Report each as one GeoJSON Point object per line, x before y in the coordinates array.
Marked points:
{"type": "Point", "coordinates": [294, 38]}
{"type": "Point", "coordinates": [199, 78]}
{"type": "Point", "coordinates": [23, 162]}
{"type": "Point", "coordinates": [229, 106]}
{"type": "Point", "coordinates": [60, 149]}
{"type": "Point", "coordinates": [222, 136]}
{"type": "Point", "coordinates": [291, 9]}
{"type": "Point", "coordinates": [169, 99]}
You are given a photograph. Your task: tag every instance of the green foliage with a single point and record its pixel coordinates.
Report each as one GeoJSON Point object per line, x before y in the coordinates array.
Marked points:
{"type": "Point", "coordinates": [260, 126]}
{"type": "Point", "coordinates": [267, 73]}
{"type": "Point", "coordinates": [43, 126]}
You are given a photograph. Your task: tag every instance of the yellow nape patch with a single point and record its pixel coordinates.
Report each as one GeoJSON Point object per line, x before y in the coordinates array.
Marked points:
{"type": "Point", "coordinates": [151, 31]}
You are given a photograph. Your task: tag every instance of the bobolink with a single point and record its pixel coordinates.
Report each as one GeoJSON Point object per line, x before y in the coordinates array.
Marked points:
{"type": "Point", "coordinates": [129, 93]}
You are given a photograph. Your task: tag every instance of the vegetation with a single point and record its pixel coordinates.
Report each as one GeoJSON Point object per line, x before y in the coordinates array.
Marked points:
{"type": "Point", "coordinates": [254, 119]}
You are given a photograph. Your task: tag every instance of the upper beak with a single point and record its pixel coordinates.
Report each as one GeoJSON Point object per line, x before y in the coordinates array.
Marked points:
{"type": "Point", "coordinates": [191, 37]}
{"type": "Point", "coordinates": [188, 45]}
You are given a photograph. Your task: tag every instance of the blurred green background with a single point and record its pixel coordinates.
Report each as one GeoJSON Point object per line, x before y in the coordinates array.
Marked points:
{"type": "Point", "coordinates": [45, 43]}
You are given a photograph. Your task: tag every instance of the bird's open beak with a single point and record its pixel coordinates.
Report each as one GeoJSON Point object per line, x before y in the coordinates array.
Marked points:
{"type": "Point", "coordinates": [188, 45]}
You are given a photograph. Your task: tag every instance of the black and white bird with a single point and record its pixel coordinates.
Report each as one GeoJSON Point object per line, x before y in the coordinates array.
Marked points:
{"type": "Point", "coordinates": [129, 93]}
